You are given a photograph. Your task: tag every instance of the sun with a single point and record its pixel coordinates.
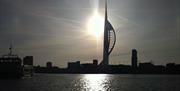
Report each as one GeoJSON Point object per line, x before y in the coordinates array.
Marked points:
{"type": "Point", "coordinates": [96, 25]}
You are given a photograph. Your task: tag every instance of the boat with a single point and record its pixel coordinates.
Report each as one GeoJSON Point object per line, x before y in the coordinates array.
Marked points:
{"type": "Point", "coordinates": [11, 65]}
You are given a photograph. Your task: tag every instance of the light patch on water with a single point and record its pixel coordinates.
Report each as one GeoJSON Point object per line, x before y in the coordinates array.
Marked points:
{"type": "Point", "coordinates": [96, 82]}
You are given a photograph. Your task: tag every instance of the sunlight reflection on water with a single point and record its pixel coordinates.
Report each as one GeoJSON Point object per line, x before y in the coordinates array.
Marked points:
{"type": "Point", "coordinates": [95, 82]}
{"type": "Point", "coordinates": [92, 82]}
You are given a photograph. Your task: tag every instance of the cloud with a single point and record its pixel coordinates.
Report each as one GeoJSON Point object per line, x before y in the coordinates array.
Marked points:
{"type": "Point", "coordinates": [56, 30]}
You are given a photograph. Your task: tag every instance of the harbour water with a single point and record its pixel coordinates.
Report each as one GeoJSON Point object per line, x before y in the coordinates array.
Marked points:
{"type": "Point", "coordinates": [92, 82]}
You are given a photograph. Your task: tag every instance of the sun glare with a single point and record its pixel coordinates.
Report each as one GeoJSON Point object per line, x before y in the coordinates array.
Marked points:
{"type": "Point", "coordinates": [96, 25]}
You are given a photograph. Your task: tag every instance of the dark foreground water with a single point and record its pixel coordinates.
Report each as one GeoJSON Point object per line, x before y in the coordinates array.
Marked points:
{"type": "Point", "coordinates": [92, 82]}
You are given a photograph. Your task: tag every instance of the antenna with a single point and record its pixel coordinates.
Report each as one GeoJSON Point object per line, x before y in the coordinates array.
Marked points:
{"type": "Point", "coordinates": [10, 49]}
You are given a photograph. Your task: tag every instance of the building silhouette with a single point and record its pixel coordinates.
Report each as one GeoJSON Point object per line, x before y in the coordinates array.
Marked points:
{"type": "Point", "coordinates": [28, 66]}
{"type": "Point", "coordinates": [74, 65]}
{"type": "Point", "coordinates": [93, 68]}
{"type": "Point", "coordinates": [49, 64]}
{"type": "Point", "coordinates": [134, 59]}
{"type": "Point", "coordinates": [95, 62]}
{"type": "Point", "coordinates": [28, 60]}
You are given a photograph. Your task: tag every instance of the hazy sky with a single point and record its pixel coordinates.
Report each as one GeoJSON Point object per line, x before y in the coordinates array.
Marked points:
{"type": "Point", "coordinates": [56, 30]}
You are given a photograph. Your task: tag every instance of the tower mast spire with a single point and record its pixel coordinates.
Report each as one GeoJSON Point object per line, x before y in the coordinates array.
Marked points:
{"type": "Point", "coordinates": [106, 44]}
{"type": "Point", "coordinates": [106, 10]}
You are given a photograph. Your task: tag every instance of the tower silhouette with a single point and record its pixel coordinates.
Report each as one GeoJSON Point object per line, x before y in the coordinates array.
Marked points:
{"type": "Point", "coordinates": [109, 39]}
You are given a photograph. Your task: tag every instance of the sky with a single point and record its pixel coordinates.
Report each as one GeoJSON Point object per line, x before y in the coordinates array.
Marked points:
{"type": "Point", "coordinates": [56, 30]}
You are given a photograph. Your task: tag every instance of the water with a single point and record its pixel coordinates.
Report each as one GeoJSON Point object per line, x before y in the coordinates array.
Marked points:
{"type": "Point", "coordinates": [92, 82]}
